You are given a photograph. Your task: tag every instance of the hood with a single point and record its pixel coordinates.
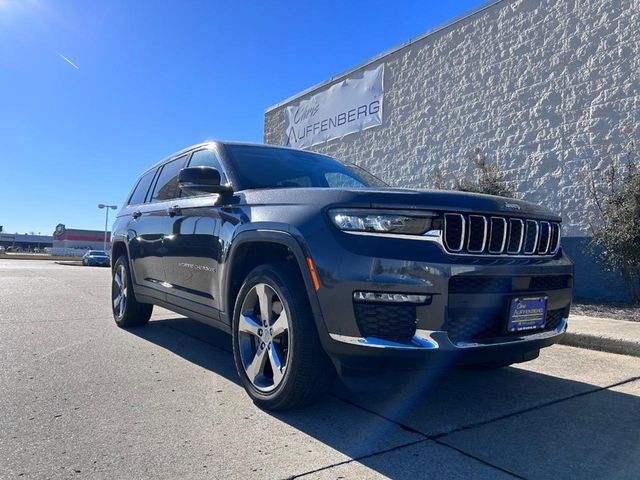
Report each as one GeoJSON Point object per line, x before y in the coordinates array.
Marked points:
{"type": "Point", "coordinates": [400, 198]}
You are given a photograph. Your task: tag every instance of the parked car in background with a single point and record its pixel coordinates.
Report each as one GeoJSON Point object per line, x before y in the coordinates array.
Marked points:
{"type": "Point", "coordinates": [316, 267]}
{"type": "Point", "coordinates": [96, 258]}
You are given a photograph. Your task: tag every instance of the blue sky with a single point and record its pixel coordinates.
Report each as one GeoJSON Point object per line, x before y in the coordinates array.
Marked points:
{"type": "Point", "coordinates": [143, 79]}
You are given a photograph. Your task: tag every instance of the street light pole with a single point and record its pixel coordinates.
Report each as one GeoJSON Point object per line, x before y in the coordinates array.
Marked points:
{"type": "Point", "coordinates": [106, 222]}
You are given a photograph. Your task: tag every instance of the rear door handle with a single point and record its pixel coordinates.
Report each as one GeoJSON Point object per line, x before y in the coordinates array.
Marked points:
{"type": "Point", "coordinates": [173, 211]}
{"type": "Point", "coordinates": [136, 214]}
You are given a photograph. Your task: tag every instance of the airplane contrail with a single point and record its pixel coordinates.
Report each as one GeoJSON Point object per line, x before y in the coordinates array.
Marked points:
{"type": "Point", "coordinates": [68, 61]}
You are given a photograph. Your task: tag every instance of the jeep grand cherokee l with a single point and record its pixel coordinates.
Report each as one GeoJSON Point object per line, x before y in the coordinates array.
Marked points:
{"type": "Point", "coordinates": [316, 267]}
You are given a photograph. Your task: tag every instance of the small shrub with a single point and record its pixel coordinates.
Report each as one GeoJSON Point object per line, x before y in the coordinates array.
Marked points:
{"type": "Point", "coordinates": [488, 178]}
{"type": "Point", "coordinates": [615, 223]}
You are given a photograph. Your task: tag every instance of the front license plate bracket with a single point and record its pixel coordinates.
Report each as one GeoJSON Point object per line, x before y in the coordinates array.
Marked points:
{"type": "Point", "coordinates": [527, 313]}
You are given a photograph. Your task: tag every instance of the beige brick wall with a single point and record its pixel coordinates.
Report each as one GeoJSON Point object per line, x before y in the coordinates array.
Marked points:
{"type": "Point", "coordinates": [547, 89]}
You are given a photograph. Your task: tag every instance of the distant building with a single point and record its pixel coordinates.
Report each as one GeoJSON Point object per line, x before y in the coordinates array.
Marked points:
{"type": "Point", "coordinates": [17, 242]}
{"type": "Point", "coordinates": [72, 241]}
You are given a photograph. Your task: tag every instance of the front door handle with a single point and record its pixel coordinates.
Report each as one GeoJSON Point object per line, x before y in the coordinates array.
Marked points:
{"type": "Point", "coordinates": [136, 214]}
{"type": "Point", "coordinates": [173, 211]}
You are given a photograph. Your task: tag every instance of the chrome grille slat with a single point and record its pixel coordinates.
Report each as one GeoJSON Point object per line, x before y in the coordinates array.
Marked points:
{"type": "Point", "coordinates": [477, 234]}
{"type": "Point", "coordinates": [545, 237]}
{"type": "Point", "coordinates": [555, 238]}
{"type": "Point", "coordinates": [455, 217]}
{"type": "Point", "coordinates": [494, 234]}
{"type": "Point", "coordinates": [472, 237]}
{"type": "Point", "coordinates": [532, 241]}
{"type": "Point", "coordinates": [520, 237]}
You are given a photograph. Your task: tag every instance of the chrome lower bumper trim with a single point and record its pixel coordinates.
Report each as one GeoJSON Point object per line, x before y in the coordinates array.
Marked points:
{"type": "Point", "coordinates": [434, 339]}
{"type": "Point", "coordinates": [515, 340]}
{"type": "Point", "coordinates": [421, 341]}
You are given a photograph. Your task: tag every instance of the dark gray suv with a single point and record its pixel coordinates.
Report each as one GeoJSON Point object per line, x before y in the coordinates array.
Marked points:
{"type": "Point", "coordinates": [316, 267]}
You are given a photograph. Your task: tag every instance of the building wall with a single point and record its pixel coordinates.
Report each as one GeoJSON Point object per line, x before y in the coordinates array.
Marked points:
{"type": "Point", "coordinates": [549, 90]}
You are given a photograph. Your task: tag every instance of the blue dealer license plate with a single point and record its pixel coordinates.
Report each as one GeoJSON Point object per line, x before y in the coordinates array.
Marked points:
{"type": "Point", "coordinates": [527, 313]}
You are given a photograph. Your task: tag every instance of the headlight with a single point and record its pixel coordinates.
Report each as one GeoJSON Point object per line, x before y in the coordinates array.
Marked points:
{"type": "Point", "coordinates": [382, 221]}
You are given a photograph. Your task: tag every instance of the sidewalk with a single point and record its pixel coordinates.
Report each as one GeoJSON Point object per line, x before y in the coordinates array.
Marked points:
{"type": "Point", "coordinates": [608, 335]}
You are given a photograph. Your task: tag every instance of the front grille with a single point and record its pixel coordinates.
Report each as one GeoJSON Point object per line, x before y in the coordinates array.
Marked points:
{"type": "Point", "coordinates": [390, 322]}
{"type": "Point", "coordinates": [480, 234]}
{"type": "Point", "coordinates": [554, 317]}
{"type": "Point", "coordinates": [551, 282]}
{"type": "Point", "coordinates": [477, 284]}
{"type": "Point", "coordinates": [480, 285]}
{"type": "Point", "coordinates": [476, 325]}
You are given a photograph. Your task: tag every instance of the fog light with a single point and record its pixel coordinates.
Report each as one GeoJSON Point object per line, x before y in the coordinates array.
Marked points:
{"type": "Point", "coordinates": [390, 297]}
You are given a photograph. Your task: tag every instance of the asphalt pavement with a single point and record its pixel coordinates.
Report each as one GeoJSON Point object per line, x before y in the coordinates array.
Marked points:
{"type": "Point", "coordinates": [80, 398]}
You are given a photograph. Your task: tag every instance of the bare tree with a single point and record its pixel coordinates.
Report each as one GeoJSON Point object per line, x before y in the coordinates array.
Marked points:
{"type": "Point", "coordinates": [615, 223]}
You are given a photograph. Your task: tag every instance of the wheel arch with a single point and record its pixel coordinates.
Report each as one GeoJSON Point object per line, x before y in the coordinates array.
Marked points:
{"type": "Point", "coordinates": [118, 248]}
{"type": "Point", "coordinates": [256, 247]}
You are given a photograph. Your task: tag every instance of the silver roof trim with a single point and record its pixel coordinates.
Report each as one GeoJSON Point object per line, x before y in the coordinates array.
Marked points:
{"type": "Point", "coordinates": [392, 50]}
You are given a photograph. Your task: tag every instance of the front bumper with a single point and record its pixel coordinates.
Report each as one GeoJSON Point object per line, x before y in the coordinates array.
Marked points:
{"type": "Point", "coordinates": [434, 349]}
{"type": "Point", "coordinates": [423, 268]}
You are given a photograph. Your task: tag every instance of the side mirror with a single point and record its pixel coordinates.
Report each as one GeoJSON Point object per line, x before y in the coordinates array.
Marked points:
{"type": "Point", "coordinates": [202, 180]}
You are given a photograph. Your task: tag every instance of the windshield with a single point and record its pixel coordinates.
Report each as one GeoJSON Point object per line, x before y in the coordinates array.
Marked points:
{"type": "Point", "coordinates": [271, 167]}
{"type": "Point", "coordinates": [97, 253]}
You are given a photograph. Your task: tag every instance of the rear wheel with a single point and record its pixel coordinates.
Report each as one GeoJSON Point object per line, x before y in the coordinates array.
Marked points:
{"type": "Point", "coordinates": [127, 311]}
{"type": "Point", "coordinates": [275, 342]}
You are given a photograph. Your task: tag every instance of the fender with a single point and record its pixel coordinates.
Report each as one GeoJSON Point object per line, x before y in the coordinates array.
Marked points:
{"type": "Point", "coordinates": [119, 238]}
{"type": "Point", "coordinates": [271, 236]}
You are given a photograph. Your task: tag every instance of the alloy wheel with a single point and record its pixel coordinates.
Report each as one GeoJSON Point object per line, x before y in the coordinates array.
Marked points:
{"type": "Point", "coordinates": [263, 337]}
{"type": "Point", "coordinates": [119, 291]}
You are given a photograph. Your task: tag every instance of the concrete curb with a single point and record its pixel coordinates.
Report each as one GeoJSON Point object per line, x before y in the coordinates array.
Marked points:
{"type": "Point", "coordinates": [73, 263]}
{"type": "Point", "coordinates": [603, 344]}
{"type": "Point", "coordinates": [604, 334]}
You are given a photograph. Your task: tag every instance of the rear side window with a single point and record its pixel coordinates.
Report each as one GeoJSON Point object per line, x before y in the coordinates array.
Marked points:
{"type": "Point", "coordinates": [167, 184]}
{"type": "Point", "coordinates": [140, 192]}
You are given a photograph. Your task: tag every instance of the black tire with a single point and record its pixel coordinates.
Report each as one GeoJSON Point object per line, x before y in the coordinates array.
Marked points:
{"type": "Point", "coordinates": [133, 313]}
{"type": "Point", "coordinates": [84, 262]}
{"type": "Point", "coordinates": [308, 372]}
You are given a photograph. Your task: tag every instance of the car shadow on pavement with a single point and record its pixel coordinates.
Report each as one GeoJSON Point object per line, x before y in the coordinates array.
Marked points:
{"type": "Point", "coordinates": [452, 422]}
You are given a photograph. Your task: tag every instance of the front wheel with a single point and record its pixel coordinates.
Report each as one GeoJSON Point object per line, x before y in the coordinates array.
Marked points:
{"type": "Point", "coordinates": [127, 311]}
{"type": "Point", "coordinates": [275, 342]}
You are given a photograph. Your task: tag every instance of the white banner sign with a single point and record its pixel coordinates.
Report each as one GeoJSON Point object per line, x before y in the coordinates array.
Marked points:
{"type": "Point", "coordinates": [351, 105]}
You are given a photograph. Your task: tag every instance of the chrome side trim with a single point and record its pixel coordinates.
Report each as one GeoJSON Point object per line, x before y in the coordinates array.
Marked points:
{"type": "Point", "coordinates": [422, 340]}
{"type": "Point", "coordinates": [430, 236]}
{"type": "Point", "coordinates": [504, 234]}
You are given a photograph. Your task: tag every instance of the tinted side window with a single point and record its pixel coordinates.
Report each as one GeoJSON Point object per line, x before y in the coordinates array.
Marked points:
{"type": "Point", "coordinates": [140, 192]}
{"type": "Point", "coordinates": [167, 184]}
